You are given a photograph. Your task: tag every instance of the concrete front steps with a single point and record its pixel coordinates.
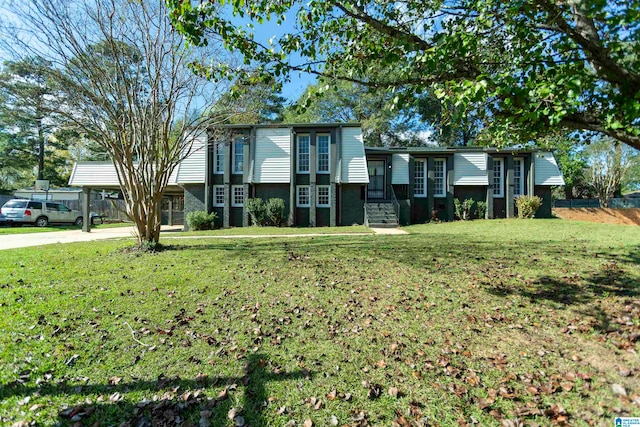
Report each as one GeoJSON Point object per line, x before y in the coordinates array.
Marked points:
{"type": "Point", "coordinates": [381, 215]}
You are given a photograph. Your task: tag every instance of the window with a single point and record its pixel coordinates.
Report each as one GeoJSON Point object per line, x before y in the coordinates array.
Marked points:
{"type": "Point", "coordinates": [302, 196]}
{"type": "Point", "coordinates": [218, 158]}
{"type": "Point", "coordinates": [518, 176]}
{"type": "Point", "coordinates": [323, 144]}
{"type": "Point", "coordinates": [218, 196]}
{"type": "Point", "coordinates": [52, 207]}
{"type": "Point", "coordinates": [238, 196]}
{"type": "Point", "coordinates": [324, 196]}
{"type": "Point", "coordinates": [238, 155]}
{"type": "Point", "coordinates": [419, 179]}
{"type": "Point", "coordinates": [498, 178]}
{"type": "Point", "coordinates": [439, 178]}
{"type": "Point", "coordinates": [303, 154]}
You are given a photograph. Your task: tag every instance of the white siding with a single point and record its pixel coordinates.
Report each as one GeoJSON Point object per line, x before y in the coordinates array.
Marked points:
{"type": "Point", "coordinates": [192, 169]}
{"type": "Point", "coordinates": [101, 175]}
{"type": "Point", "coordinates": [272, 156]}
{"type": "Point", "coordinates": [400, 169]}
{"type": "Point", "coordinates": [470, 169]}
{"type": "Point", "coordinates": [354, 161]}
{"type": "Point", "coordinates": [546, 169]}
{"type": "Point", "coordinates": [87, 174]}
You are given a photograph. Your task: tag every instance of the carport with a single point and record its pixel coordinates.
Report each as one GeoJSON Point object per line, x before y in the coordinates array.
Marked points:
{"type": "Point", "coordinates": [102, 176]}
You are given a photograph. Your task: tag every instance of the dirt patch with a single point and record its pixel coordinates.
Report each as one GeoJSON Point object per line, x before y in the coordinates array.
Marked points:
{"type": "Point", "coordinates": [601, 215]}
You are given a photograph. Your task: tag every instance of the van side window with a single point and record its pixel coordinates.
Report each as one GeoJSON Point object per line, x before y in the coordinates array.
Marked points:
{"type": "Point", "coordinates": [63, 208]}
{"type": "Point", "coordinates": [35, 205]}
{"type": "Point", "coordinates": [52, 207]}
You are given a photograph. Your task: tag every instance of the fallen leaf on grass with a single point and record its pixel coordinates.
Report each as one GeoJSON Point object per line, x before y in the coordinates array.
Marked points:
{"type": "Point", "coordinates": [308, 423]}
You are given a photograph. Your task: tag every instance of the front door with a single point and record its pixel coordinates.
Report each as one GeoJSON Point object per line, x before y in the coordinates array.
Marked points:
{"type": "Point", "coordinates": [375, 190]}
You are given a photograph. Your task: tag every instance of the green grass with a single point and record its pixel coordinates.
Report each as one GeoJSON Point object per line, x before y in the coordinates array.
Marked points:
{"type": "Point", "coordinates": [28, 229]}
{"type": "Point", "coordinates": [277, 231]}
{"type": "Point", "coordinates": [487, 321]}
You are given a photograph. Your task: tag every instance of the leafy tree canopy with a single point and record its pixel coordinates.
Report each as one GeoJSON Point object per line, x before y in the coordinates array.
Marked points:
{"type": "Point", "coordinates": [534, 65]}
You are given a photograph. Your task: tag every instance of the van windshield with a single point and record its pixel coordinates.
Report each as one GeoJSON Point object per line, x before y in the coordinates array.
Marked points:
{"type": "Point", "coordinates": [16, 204]}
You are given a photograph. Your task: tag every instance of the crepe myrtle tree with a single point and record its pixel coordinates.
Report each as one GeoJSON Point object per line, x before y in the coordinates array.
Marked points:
{"type": "Point", "coordinates": [532, 65]}
{"type": "Point", "coordinates": [126, 84]}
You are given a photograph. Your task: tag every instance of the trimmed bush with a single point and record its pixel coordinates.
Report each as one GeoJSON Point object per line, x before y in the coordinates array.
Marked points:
{"type": "Point", "coordinates": [269, 213]}
{"type": "Point", "coordinates": [464, 210]}
{"type": "Point", "coordinates": [527, 206]}
{"type": "Point", "coordinates": [200, 220]}
{"type": "Point", "coordinates": [481, 209]}
{"type": "Point", "coordinates": [257, 211]}
{"type": "Point", "coordinates": [274, 211]}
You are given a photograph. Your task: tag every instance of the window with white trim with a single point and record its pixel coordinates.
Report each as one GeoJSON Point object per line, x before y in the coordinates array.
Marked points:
{"type": "Point", "coordinates": [518, 176]}
{"type": "Point", "coordinates": [303, 154]}
{"type": "Point", "coordinates": [218, 196]}
{"type": "Point", "coordinates": [498, 177]}
{"type": "Point", "coordinates": [238, 155]}
{"type": "Point", "coordinates": [440, 177]}
{"type": "Point", "coordinates": [323, 196]}
{"type": "Point", "coordinates": [302, 196]}
{"type": "Point", "coordinates": [237, 196]}
{"type": "Point", "coordinates": [420, 178]}
{"type": "Point", "coordinates": [218, 156]}
{"type": "Point", "coordinates": [323, 142]}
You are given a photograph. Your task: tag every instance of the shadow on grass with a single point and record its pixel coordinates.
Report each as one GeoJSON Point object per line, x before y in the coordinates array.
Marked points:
{"type": "Point", "coordinates": [178, 402]}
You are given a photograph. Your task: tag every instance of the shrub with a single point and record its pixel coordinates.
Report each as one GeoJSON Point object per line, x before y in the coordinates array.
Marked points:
{"type": "Point", "coordinates": [528, 205]}
{"type": "Point", "coordinates": [464, 210]}
{"type": "Point", "coordinates": [200, 220]}
{"type": "Point", "coordinates": [257, 211]}
{"type": "Point", "coordinates": [481, 209]}
{"type": "Point", "coordinates": [274, 212]}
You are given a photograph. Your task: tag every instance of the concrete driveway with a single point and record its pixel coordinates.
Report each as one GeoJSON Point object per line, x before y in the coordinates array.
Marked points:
{"type": "Point", "coordinates": [14, 241]}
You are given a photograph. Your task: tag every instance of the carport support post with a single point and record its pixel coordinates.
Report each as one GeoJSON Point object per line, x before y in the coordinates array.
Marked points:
{"type": "Point", "coordinates": [86, 214]}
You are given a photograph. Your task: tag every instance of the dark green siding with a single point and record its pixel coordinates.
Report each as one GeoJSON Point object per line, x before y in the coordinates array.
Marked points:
{"type": "Point", "coordinates": [274, 191]}
{"type": "Point", "coordinates": [323, 217]}
{"type": "Point", "coordinates": [302, 217]}
{"type": "Point", "coordinates": [235, 219]}
{"type": "Point", "coordinates": [545, 194]}
{"type": "Point", "coordinates": [477, 193]}
{"type": "Point", "coordinates": [323, 179]}
{"type": "Point", "coordinates": [219, 212]}
{"type": "Point", "coordinates": [421, 212]}
{"type": "Point", "coordinates": [351, 204]}
{"type": "Point", "coordinates": [499, 207]}
{"type": "Point", "coordinates": [441, 206]}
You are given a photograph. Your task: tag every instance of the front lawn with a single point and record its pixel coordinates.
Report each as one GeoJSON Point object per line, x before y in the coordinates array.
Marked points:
{"type": "Point", "coordinates": [27, 228]}
{"type": "Point", "coordinates": [277, 231]}
{"type": "Point", "coordinates": [485, 323]}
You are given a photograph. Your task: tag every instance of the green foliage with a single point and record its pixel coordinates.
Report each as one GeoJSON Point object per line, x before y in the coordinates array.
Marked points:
{"type": "Point", "coordinates": [274, 212]}
{"type": "Point", "coordinates": [528, 205]}
{"type": "Point", "coordinates": [383, 122]}
{"type": "Point", "coordinates": [269, 213]}
{"type": "Point", "coordinates": [464, 210]}
{"type": "Point", "coordinates": [257, 211]}
{"type": "Point", "coordinates": [525, 67]}
{"type": "Point", "coordinates": [481, 209]}
{"type": "Point", "coordinates": [201, 220]}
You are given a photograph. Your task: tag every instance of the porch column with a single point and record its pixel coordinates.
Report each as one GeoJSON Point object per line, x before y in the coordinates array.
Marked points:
{"type": "Point", "coordinates": [509, 202]}
{"type": "Point", "coordinates": [489, 214]}
{"type": "Point", "coordinates": [86, 206]}
{"type": "Point", "coordinates": [531, 181]}
{"type": "Point", "coordinates": [292, 186]}
{"type": "Point", "coordinates": [333, 162]}
{"type": "Point", "coordinates": [312, 178]}
{"type": "Point", "coordinates": [431, 175]}
{"type": "Point", "coordinates": [226, 212]}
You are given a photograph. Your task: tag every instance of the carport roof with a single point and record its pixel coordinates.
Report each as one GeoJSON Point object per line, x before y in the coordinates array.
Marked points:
{"type": "Point", "coordinates": [100, 175]}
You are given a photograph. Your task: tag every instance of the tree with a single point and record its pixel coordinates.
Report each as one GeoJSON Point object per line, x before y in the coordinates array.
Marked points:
{"type": "Point", "coordinates": [330, 101]}
{"type": "Point", "coordinates": [252, 103]}
{"type": "Point", "coordinates": [127, 86]}
{"type": "Point", "coordinates": [536, 65]}
{"type": "Point", "coordinates": [609, 163]}
{"type": "Point", "coordinates": [27, 122]}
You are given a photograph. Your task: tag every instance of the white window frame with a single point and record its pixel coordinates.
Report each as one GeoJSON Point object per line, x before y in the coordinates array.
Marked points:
{"type": "Point", "coordinates": [499, 191]}
{"type": "Point", "coordinates": [234, 189]}
{"type": "Point", "coordinates": [323, 187]}
{"type": "Point", "coordinates": [215, 196]}
{"type": "Point", "coordinates": [218, 158]}
{"type": "Point", "coordinates": [238, 141]}
{"type": "Point", "coordinates": [518, 188]}
{"type": "Point", "coordinates": [299, 153]}
{"type": "Point", "coordinates": [298, 194]}
{"type": "Point", "coordinates": [421, 166]}
{"type": "Point", "coordinates": [319, 155]}
{"type": "Point", "coordinates": [440, 190]}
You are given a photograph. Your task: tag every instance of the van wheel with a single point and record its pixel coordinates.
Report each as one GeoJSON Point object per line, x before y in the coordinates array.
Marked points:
{"type": "Point", "coordinates": [78, 221]}
{"type": "Point", "coordinates": [42, 221]}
